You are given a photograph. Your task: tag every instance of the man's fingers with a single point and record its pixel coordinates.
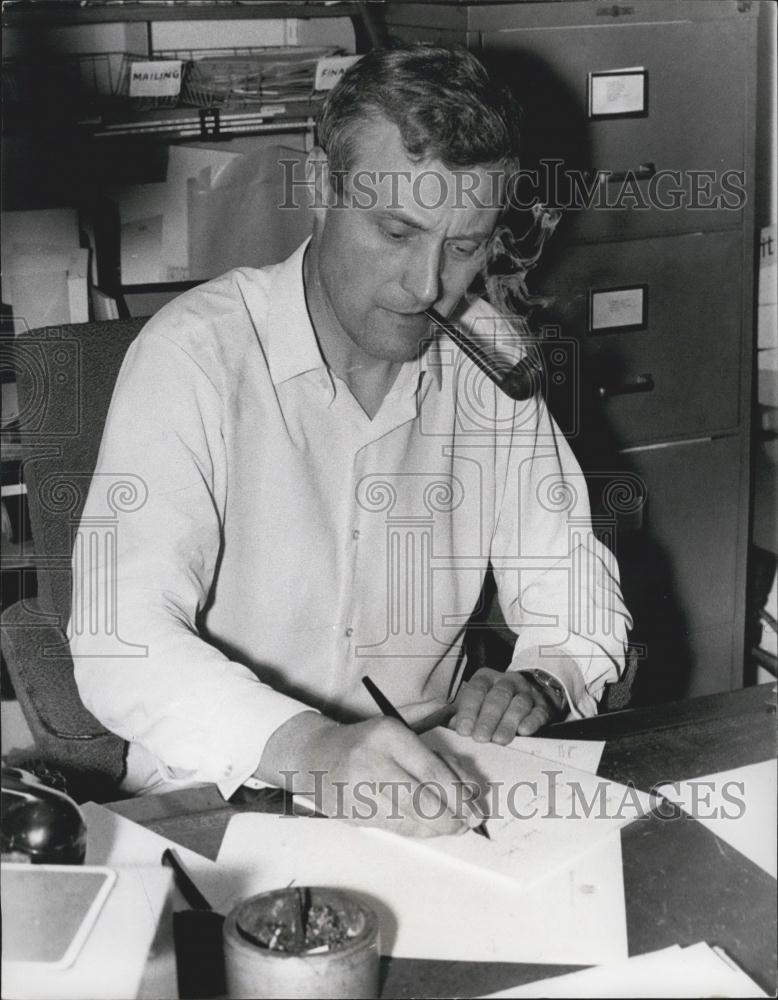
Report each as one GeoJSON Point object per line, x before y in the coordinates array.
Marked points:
{"type": "Point", "coordinates": [495, 706]}
{"type": "Point", "coordinates": [454, 786]}
{"type": "Point", "coordinates": [469, 790]}
{"type": "Point", "coordinates": [469, 704]}
{"type": "Point", "coordinates": [437, 786]}
{"type": "Point", "coordinates": [537, 718]}
{"type": "Point", "coordinates": [521, 707]}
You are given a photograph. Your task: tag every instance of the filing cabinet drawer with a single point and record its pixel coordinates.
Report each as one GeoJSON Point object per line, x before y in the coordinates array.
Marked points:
{"type": "Point", "coordinates": [692, 495]}
{"type": "Point", "coordinates": [678, 571]}
{"type": "Point", "coordinates": [658, 326]}
{"type": "Point", "coordinates": [662, 100]}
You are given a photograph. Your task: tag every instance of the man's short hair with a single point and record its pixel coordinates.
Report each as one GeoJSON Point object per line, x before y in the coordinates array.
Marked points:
{"type": "Point", "coordinates": [442, 100]}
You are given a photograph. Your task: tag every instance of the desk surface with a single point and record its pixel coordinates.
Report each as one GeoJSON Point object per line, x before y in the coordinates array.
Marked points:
{"type": "Point", "coordinates": [682, 884]}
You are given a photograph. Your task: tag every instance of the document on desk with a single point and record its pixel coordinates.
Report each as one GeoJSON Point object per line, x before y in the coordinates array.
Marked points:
{"type": "Point", "coordinates": [116, 841]}
{"type": "Point", "coordinates": [739, 806]}
{"type": "Point", "coordinates": [547, 886]}
{"type": "Point", "coordinates": [696, 971]}
{"type": "Point", "coordinates": [431, 906]}
{"type": "Point", "coordinates": [541, 813]}
{"type": "Point", "coordinates": [583, 754]}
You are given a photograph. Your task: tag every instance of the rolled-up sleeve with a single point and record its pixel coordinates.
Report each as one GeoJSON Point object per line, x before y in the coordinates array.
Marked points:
{"type": "Point", "coordinates": [144, 563]}
{"type": "Point", "coordinates": [558, 584]}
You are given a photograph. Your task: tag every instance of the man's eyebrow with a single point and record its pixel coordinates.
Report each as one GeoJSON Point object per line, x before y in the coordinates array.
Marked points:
{"type": "Point", "coordinates": [397, 216]}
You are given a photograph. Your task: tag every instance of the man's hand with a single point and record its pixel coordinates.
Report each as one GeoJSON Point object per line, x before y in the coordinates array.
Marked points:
{"type": "Point", "coordinates": [377, 772]}
{"type": "Point", "coordinates": [498, 706]}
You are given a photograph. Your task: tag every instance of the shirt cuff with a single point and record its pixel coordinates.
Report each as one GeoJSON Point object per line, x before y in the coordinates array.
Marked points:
{"type": "Point", "coordinates": [226, 748]}
{"type": "Point", "coordinates": [580, 666]}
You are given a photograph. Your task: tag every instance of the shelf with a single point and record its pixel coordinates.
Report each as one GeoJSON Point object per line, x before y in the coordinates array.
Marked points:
{"type": "Point", "coordinates": [36, 13]}
{"type": "Point", "coordinates": [210, 123]}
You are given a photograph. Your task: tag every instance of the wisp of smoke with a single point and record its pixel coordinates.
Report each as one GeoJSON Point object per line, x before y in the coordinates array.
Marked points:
{"type": "Point", "coordinates": [507, 263]}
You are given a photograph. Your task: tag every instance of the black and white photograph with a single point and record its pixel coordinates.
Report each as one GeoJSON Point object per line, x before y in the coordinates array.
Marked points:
{"type": "Point", "coordinates": [389, 572]}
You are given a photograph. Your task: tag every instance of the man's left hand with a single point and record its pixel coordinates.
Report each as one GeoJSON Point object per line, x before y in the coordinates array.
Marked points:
{"type": "Point", "coordinates": [498, 706]}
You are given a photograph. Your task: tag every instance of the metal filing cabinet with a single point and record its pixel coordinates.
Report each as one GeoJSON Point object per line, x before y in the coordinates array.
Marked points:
{"type": "Point", "coordinates": [649, 107]}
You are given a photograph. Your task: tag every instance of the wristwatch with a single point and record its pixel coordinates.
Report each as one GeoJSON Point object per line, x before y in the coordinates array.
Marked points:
{"type": "Point", "coordinates": [551, 688]}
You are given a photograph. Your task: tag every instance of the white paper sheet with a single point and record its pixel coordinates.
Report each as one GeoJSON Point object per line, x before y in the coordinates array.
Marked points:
{"type": "Point", "coordinates": [739, 806]}
{"type": "Point", "coordinates": [45, 285]}
{"type": "Point", "coordinates": [433, 907]}
{"type": "Point", "coordinates": [116, 841]}
{"type": "Point", "coordinates": [697, 971]}
{"type": "Point", "coordinates": [583, 754]}
{"type": "Point", "coordinates": [141, 251]}
{"type": "Point", "coordinates": [41, 227]}
{"type": "Point", "coordinates": [542, 813]}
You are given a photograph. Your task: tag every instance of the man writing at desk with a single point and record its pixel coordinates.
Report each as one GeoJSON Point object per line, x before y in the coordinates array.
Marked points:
{"type": "Point", "coordinates": [326, 485]}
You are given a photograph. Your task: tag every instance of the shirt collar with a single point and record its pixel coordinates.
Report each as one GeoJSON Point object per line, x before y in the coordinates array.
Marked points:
{"type": "Point", "coordinates": [292, 346]}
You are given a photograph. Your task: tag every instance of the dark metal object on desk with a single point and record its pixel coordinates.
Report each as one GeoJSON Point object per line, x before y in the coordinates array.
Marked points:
{"type": "Point", "coordinates": [197, 935]}
{"type": "Point", "coordinates": [40, 823]}
{"type": "Point", "coordinates": [520, 382]}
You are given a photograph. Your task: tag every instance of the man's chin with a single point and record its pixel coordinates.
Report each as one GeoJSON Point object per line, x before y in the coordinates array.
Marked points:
{"type": "Point", "coordinates": [406, 337]}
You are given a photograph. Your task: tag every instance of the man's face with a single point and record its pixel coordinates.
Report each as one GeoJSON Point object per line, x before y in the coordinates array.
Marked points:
{"type": "Point", "coordinates": [419, 241]}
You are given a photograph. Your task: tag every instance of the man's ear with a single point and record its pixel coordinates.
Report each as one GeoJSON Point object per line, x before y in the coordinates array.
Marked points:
{"type": "Point", "coordinates": [317, 176]}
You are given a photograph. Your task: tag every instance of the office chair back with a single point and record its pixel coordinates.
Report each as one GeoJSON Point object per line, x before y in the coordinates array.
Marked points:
{"type": "Point", "coordinates": [65, 379]}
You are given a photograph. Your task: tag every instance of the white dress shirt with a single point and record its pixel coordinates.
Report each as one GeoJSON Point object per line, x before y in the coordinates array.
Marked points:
{"type": "Point", "coordinates": [253, 544]}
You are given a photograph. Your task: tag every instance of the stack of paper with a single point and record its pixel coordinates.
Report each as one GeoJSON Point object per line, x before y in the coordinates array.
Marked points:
{"type": "Point", "coordinates": [45, 271]}
{"type": "Point", "coordinates": [697, 971]}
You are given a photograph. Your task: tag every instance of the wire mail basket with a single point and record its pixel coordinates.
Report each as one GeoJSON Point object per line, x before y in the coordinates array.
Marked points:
{"type": "Point", "coordinates": [249, 78]}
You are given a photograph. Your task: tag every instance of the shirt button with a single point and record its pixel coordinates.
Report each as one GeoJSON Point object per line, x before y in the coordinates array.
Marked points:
{"type": "Point", "coordinates": [349, 632]}
{"type": "Point", "coordinates": [355, 533]}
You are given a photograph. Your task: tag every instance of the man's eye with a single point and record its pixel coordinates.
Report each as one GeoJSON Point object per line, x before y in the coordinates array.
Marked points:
{"type": "Point", "coordinates": [395, 235]}
{"type": "Point", "coordinates": [464, 251]}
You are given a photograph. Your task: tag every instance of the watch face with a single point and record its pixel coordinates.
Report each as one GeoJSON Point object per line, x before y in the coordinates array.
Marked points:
{"type": "Point", "coordinates": [551, 688]}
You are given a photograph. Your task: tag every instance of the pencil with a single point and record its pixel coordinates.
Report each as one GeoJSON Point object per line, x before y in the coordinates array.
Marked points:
{"type": "Point", "coordinates": [388, 710]}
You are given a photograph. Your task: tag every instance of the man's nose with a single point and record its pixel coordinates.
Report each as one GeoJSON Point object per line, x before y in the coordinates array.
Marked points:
{"type": "Point", "coordinates": [421, 278]}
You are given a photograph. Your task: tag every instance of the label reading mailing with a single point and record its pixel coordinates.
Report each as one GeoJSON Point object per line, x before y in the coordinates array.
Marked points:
{"type": "Point", "coordinates": [155, 79]}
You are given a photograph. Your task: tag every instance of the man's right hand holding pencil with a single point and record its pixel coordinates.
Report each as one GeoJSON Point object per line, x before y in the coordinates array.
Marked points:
{"type": "Point", "coordinates": [377, 772]}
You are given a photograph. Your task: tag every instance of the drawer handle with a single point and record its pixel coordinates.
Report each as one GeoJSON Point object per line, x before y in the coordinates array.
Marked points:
{"type": "Point", "coordinates": [640, 383]}
{"type": "Point", "coordinates": [643, 173]}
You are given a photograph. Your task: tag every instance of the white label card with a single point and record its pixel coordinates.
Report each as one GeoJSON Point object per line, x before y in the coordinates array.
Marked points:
{"type": "Point", "coordinates": [161, 78]}
{"type": "Point", "coordinates": [616, 308]}
{"type": "Point", "coordinates": [619, 92]}
{"type": "Point", "coordinates": [331, 69]}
